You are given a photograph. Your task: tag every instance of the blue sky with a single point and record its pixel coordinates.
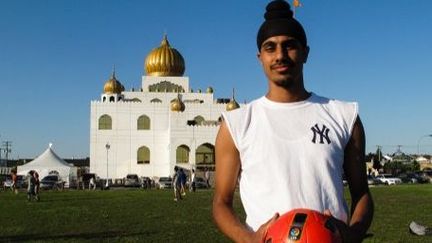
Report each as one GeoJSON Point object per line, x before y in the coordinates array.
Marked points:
{"type": "Point", "coordinates": [55, 56]}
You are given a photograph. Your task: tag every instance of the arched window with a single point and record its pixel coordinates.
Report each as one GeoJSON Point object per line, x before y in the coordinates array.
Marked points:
{"type": "Point", "coordinates": [199, 120]}
{"type": "Point", "coordinates": [156, 100]}
{"type": "Point", "coordinates": [182, 154]}
{"type": "Point", "coordinates": [105, 122]}
{"type": "Point", "coordinates": [135, 100]}
{"type": "Point", "coordinates": [143, 155]}
{"type": "Point", "coordinates": [111, 99]}
{"type": "Point", "coordinates": [205, 154]}
{"type": "Point", "coordinates": [143, 123]}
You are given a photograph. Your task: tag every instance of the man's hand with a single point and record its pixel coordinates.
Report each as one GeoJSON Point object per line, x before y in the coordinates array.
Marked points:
{"type": "Point", "coordinates": [345, 232]}
{"type": "Point", "coordinates": [260, 234]}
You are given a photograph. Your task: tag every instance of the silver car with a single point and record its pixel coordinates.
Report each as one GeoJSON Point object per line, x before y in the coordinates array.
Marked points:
{"type": "Point", "coordinates": [164, 182]}
{"type": "Point", "coordinates": [132, 180]}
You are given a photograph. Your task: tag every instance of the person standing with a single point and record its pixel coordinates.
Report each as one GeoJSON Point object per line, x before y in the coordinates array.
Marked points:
{"type": "Point", "coordinates": [31, 186]}
{"type": "Point", "coordinates": [192, 186]}
{"type": "Point", "coordinates": [176, 184]}
{"type": "Point", "coordinates": [37, 185]}
{"type": "Point", "coordinates": [92, 184]}
{"type": "Point", "coordinates": [289, 148]}
{"type": "Point", "coordinates": [14, 181]}
{"type": "Point", "coordinates": [183, 179]}
{"type": "Point", "coordinates": [207, 176]}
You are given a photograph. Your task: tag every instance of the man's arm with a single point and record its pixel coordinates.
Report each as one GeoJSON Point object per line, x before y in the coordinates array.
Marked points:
{"type": "Point", "coordinates": [226, 176]}
{"type": "Point", "coordinates": [361, 200]}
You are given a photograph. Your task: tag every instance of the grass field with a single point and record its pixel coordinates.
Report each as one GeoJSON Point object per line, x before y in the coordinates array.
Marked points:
{"type": "Point", "coordinates": [153, 216]}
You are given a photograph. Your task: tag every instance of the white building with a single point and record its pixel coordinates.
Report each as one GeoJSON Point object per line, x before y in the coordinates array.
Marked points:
{"type": "Point", "coordinates": [163, 124]}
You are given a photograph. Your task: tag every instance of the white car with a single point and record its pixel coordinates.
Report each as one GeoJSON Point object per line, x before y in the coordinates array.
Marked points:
{"type": "Point", "coordinates": [388, 179]}
{"type": "Point", "coordinates": [164, 182]}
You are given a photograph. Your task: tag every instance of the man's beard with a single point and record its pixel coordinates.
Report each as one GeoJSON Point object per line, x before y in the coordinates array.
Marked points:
{"type": "Point", "coordinates": [285, 83]}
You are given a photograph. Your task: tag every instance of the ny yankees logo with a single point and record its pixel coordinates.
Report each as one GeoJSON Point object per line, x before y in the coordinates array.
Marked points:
{"type": "Point", "coordinates": [323, 133]}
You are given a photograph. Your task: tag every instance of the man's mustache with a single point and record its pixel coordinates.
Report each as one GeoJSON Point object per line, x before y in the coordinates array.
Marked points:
{"type": "Point", "coordinates": [282, 63]}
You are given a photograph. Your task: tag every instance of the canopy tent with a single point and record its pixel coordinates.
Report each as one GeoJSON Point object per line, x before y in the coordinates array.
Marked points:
{"type": "Point", "coordinates": [47, 163]}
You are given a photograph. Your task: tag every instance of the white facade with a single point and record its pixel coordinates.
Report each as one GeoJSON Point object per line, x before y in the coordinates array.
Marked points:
{"type": "Point", "coordinates": [168, 129]}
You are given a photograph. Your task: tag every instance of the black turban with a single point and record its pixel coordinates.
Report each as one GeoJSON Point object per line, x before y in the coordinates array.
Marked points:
{"type": "Point", "coordinates": [279, 21]}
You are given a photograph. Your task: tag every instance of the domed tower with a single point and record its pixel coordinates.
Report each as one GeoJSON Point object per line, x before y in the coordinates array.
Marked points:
{"type": "Point", "coordinates": [209, 90]}
{"type": "Point", "coordinates": [232, 105]}
{"type": "Point", "coordinates": [177, 104]}
{"type": "Point", "coordinates": [164, 61]}
{"type": "Point", "coordinates": [112, 91]}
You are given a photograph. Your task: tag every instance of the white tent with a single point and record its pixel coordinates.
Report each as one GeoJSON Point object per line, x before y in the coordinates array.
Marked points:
{"type": "Point", "coordinates": [49, 162]}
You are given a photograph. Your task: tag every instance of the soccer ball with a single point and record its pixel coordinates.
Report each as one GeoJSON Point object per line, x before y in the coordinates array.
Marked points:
{"type": "Point", "coordinates": [301, 226]}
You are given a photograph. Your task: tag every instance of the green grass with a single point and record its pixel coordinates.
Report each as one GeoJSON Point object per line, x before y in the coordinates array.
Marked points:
{"type": "Point", "coordinates": [153, 216]}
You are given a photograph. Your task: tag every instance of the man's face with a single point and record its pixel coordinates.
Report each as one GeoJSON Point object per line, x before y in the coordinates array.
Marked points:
{"type": "Point", "coordinates": [282, 58]}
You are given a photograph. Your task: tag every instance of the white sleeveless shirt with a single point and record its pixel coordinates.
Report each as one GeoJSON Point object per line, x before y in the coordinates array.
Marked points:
{"type": "Point", "coordinates": [292, 155]}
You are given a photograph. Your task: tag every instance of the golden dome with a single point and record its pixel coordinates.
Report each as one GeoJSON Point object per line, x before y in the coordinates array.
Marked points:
{"type": "Point", "coordinates": [232, 105]}
{"type": "Point", "coordinates": [164, 61]}
{"type": "Point", "coordinates": [113, 86]}
{"type": "Point", "coordinates": [209, 90]}
{"type": "Point", "coordinates": [177, 105]}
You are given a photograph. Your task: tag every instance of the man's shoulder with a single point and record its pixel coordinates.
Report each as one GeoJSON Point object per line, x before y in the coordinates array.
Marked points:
{"type": "Point", "coordinates": [332, 101]}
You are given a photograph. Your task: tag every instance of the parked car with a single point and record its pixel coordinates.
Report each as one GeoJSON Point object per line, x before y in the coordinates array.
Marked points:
{"type": "Point", "coordinates": [7, 183]}
{"type": "Point", "coordinates": [411, 178]}
{"type": "Point", "coordinates": [200, 182]}
{"type": "Point", "coordinates": [132, 180]}
{"type": "Point", "coordinates": [373, 180]}
{"type": "Point", "coordinates": [21, 182]}
{"type": "Point", "coordinates": [164, 182]}
{"type": "Point", "coordinates": [388, 179]}
{"type": "Point", "coordinates": [426, 176]}
{"type": "Point", "coordinates": [52, 182]}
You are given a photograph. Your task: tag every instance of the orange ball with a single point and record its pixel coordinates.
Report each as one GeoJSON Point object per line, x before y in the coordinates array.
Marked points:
{"type": "Point", "coordinates": [301, 226]}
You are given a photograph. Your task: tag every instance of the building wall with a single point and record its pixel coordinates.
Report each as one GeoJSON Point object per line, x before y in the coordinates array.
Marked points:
{"type": "Point", "coordinates": [168, 130]}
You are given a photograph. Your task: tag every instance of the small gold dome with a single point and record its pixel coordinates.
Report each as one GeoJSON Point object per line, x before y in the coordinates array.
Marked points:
{"type": "Point", "coordinates": [164, 61]}
{"type": "Point", "coordinates": [113, 86]}
{"type": "Point", "coordinates": [232, 105]}
{"type": "Point", "coordinates": [209, 90]}
{"type": "Point", "coordinates": [177, 105]}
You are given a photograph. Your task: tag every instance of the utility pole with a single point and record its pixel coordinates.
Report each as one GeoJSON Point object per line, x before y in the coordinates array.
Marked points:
{"type": "Point", "coordinates": [399, 150]}
{"type": "Point", "coordinates": [379, 152]}
{"type": "Point", "coordinates": [7, 148]}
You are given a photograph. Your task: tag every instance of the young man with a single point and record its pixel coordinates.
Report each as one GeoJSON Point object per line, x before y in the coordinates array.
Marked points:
{"type": "Point", "coordinates": [176, 184]}
{"type": "Point", "coordinates": [289, 148]}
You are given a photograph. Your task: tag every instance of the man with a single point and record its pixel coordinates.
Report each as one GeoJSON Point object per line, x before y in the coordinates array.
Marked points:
{"type": "Point", "coordinates": [289, 148]}
{"type": "Point", "coordinates": [31, 186]}
{"type": "Point", "coordinates": [177, 184]}
{"type": "Point", "coordinates": [182, 177]}
{"type": "Point", "coordinates": [207, 177]}
{"type": "Point", "coordinates": [92, 184]}
{"type": "Point", "coordinates": [14, 186]}
{"type": "Point", "coordinates": [192, 186]}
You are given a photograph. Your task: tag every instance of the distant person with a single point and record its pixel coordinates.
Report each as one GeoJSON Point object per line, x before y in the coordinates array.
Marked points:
{"type": "Point", "coordinates": [31, 186]}
{"type": "Point", "coordinates": [14, 186]}
{"type": "Point", "coordinates": [37, 185]}
{"type": "Point", "coordinates": [207, 177]}
{"type": "Point", "coordinates": [192, 186]}
{"type": "Point", "coordinates": [92, 184]}
{"type": "Point", "coordinates": [182, 177]}
{"type": "Point", "coordinates": [176, 184]}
